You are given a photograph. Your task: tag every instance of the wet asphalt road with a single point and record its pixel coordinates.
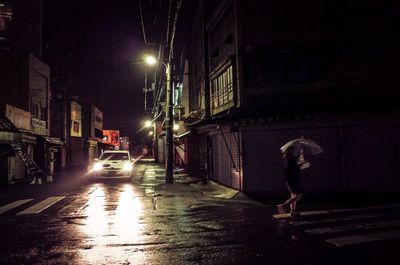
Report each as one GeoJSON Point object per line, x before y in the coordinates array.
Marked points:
{"type": "Point", "coordinates": [143, 221]}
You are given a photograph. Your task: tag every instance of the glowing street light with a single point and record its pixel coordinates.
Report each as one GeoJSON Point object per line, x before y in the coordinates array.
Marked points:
{"type": "Point", "coordinates": [148, 124]}
{"type": "Point", "coordinates": [169, 143]}
{"type": "Point", "coordinates": [151, 60]}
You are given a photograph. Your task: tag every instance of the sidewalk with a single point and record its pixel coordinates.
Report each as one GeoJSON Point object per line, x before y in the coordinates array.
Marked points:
{"type": "Point", "coordinates": [183, 183]}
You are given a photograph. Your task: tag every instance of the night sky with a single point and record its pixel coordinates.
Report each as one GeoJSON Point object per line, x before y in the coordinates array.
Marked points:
{"type": "Point", "coordinates": [91, 44]}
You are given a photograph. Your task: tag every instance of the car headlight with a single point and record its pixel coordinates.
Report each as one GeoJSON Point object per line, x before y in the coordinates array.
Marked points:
{"type": "Point", "coordinates": [127, 167]}
{"type": "Point", "coordinates": [97, 166]}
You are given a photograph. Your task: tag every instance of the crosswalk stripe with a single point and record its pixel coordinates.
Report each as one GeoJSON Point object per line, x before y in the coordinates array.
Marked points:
{"type": "Point", "coordinates": [352, 227]}
{"type": "Point", "coordinates": [38, 207]}
{"type": "Point", "coordinates": [12, 205]}
{"type": "Point", "coordinates": [336, 219]}
{"type": "Point", "coordinates": [344, 210]}
{"type": "Point", "coordinates": [365, 238]}
{"type": "Point", "coordinates": [331, 211]}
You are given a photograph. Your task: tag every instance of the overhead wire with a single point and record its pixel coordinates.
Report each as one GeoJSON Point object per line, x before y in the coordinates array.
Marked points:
{"type": "Point", "coordinates": [171, 46]}
{"type": "Point", "coordinates": [167, 46]}
{"type": "Point", "coordinates": [142, 23]}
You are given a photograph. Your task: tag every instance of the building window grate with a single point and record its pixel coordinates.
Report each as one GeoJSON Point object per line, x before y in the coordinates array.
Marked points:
{"type": "Point", "coordinates": [222, 91]}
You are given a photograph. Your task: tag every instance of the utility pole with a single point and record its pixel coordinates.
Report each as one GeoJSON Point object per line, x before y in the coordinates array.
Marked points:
{"type": "Point", "coordinates": [169, 118]}
{"type": "Point", "coordinates": [169, 174]}
{"type": "Point", "coordinates": [145, 90]}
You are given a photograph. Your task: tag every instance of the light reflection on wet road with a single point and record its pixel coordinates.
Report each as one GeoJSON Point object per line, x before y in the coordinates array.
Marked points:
{"type": "Point", "coordinates": [111, 225]}
{"type": "Point", "coordinates": [113, 222]}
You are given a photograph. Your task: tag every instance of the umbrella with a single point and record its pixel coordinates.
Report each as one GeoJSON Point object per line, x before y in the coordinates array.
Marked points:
{"type": "Point", "coordinates": [308, 146]}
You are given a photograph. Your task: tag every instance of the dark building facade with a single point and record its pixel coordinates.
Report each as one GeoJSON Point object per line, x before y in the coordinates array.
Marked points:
{"type": "Point", "coordinates": [24, 86]}
{"type": "Point", "coordinates": [265, 72]}
{"type": "Point", "coordinates": [21, 26]}
{"type": "Point", "coordinates": [92, 122]}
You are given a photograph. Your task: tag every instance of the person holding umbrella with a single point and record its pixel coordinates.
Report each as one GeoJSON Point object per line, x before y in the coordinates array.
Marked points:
{"type": "Point", "coordinates": [292, 178]}
{"type": "Point", "coordinates": [294, 162]}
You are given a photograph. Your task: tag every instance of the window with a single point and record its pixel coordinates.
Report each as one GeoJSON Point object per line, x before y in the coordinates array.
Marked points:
{"type": "Point", "coordinates": [43, 113]}
{"type": "Point", "coordinates": [222, 91]}
{"type": "Point", "coordinates": [75, 126]}
{"type": "Point", "coordinates": [5, 24]}
{"type": "Point", "coordinates": [5, 16]}
{"type": "Point", "coordinates": [35, 110]}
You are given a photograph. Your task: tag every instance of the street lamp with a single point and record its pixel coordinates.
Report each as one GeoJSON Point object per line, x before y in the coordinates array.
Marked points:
{"type": "Point", "coordinates": [151, 60]}
{"type": "Point", "coordinates": [169, 144]}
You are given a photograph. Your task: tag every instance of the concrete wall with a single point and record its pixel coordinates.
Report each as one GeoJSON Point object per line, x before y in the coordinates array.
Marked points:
{"type": "Point", "coordinates": [24, 79]}
{"type": "Point", "coordinates": [358, 156]}
{"type": "Point", "coordinates": [39, 90]}
{"type": "Point", "coordinates": [26, 29]}
{"type": "Point", "coordinates": [14, 79]}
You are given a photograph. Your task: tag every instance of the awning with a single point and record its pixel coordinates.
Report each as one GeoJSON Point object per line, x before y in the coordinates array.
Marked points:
{"type": "Point", "coordinates": [8, 132]}
{"type": "Point", "coordinates": [10, 137]}
{"type": "Point", "coordinates": [93, 142]}
{"type": "Point", "coordinates": [53, 140]}
{"type": "Point", "coordinates": [182, 135]}
{"type": "Point", "coordinates": [28, 138]}
{"type": "Point", "coordinates": [207, 128]}
{"type": "Point", "coordinates": [6, 125]}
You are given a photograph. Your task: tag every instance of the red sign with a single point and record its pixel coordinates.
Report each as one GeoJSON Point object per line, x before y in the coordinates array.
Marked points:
{"type": "Point", "coordinates": [111, 137]}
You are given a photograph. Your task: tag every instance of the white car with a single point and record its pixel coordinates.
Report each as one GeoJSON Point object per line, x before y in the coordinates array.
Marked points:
{"type": "Point", "coordinates": [113, 163]}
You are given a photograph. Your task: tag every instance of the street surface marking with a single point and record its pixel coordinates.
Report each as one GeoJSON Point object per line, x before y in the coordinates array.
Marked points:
{"type": "Point", "coordinates": [73, 205]}
{"type": "Point", "coordinates": [282, 215]}
{"type": "Point", "coordinates": [38, 207]}
{"type": "Point", "coordinates": [358, 239]}
{"type": "Point", "coordinates": [91, 190]}
{"type": "Point", "coordinates": [353, 227]}
{"type": "Point", "coordinates": [82, 207]}
{"type": "Point", "coordinates": [12, 205]}
{"type": "Point", "coordinates": [337, 219]}
{"type": "Point", "coordinates": [344, 210]}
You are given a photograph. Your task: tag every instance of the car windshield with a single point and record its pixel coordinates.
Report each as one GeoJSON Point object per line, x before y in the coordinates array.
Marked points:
{"type": "Point", "coordinates": [114, 156]}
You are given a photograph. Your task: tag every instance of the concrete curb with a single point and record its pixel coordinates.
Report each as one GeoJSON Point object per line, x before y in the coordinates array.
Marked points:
{"type": "Point", "coordinates": [215, 190]}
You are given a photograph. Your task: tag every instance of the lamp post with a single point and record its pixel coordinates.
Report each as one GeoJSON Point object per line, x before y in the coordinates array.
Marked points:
{"type": "Point", "coordinates": [169, 144]}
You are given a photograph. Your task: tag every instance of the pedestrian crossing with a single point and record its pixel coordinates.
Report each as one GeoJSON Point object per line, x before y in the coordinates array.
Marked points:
{"type": "Point", "coordinates": [338, 227]}
{"type": "Point", "coordinates": [33, 209]}
{"type": "Point", "coordinates": [13, 205]}
{"type": "Point", "coordinates": [41, 206]}
{"type": "Point", "coordinates": [350, 226]}
{"type": "Point", "coordinates": [95, 200]}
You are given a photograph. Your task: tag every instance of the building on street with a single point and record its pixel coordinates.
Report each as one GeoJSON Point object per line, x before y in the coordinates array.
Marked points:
{"type": "Point", "coordinates": [92, 123]}
{"type": "Point", "coordinates": [25, 86]}
{"type": "Point", "coordinates": [262, 74]}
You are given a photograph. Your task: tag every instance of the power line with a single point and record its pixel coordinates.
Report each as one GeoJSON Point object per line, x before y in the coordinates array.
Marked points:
{"type": "Point", "coordinates": [142, 22]}
{"type": "Point", "coordinates": [171, 51]}
{"type": "Point", "coordinates": [169, 21]}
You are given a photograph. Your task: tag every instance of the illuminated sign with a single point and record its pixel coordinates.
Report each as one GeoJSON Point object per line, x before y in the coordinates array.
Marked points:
{"type": "Point", "coordinates": [111, 137]}
{"type": "Point", "coordinates": [76, 119]}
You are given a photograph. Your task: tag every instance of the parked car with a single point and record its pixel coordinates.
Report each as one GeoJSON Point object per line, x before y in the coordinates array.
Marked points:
{"type": "Point", "coordinates": [113, 163]}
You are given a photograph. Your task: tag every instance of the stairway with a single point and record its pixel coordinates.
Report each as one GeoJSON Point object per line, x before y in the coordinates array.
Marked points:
{"type": "Point", "coordinates": [34, 171]}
